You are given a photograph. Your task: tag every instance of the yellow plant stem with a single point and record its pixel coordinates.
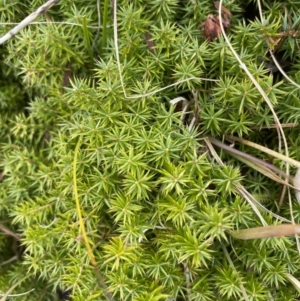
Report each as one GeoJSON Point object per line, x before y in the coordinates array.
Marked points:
{"type": "Point", "coordinates": [78, 209]}
{"type": "Point", "coordinates": [82, 227]}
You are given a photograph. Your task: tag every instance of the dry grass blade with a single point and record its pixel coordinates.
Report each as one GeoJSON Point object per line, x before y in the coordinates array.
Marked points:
{"type": "Point", "coordinates": [264, 171]}
{"type": "Point", "coordinates": [250, 159]}
{"type": "Point", "coordinates": [294, 281]}
{"type": "Point", "coordinates": [21, 294]}
{"type": "Point", "coordinates": [275, 126]}
{"type": "Point", "coordinates": [297, 184]}
{"type": "Point", "coordinates": [265, 150]}
{"type": "Point", "coordinates": [28, 20]}
{"type": "Point", "coordinates": [266, 232]}
{"type": "Point", "coordinates": [262, 167]}
{"type": "Point", "coordinates": [255, 204]}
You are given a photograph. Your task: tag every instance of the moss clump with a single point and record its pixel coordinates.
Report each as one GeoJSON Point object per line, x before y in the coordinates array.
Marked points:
{"type": "Point", "coordinates": [156, 207]}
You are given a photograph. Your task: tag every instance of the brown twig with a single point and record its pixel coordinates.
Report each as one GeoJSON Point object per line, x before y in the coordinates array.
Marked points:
{"type": "Point", "coordinates": [8, 232]}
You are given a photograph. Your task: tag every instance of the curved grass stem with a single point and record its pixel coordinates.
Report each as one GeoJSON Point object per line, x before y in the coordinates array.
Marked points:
{"type": "Point", "coordinates": [104, 25]}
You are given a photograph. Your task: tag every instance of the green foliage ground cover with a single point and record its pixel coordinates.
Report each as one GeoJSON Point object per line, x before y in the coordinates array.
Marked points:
{"type": "Point", "coordinates": [156, 206]}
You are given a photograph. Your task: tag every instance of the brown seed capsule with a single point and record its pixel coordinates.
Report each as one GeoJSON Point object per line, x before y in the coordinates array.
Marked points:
{"type": "Point", "coordinates": [211, 26]}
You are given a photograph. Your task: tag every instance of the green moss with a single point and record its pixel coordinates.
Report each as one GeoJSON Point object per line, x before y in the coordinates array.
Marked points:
{"type": "Point", "coordinates": [156, 206]}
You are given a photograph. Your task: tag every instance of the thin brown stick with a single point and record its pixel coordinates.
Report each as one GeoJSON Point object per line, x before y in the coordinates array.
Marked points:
{"type": "Point", "coordinates": [8, 232]}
